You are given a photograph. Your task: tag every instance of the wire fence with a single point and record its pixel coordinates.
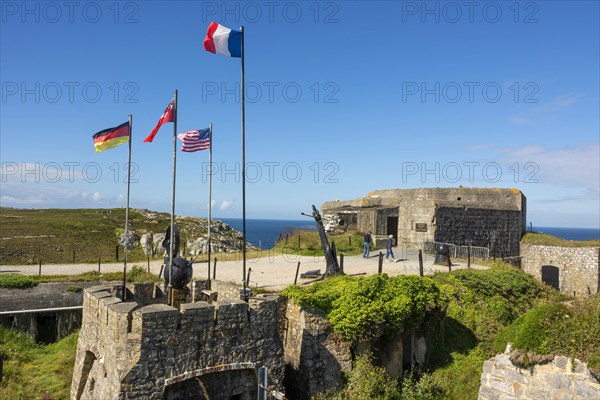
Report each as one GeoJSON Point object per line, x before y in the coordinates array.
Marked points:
{"type": "Point", "coordinates": [459, 251]}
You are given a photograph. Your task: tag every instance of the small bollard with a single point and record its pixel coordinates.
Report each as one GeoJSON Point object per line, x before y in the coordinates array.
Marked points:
{"type": "Point", "coordinates": [342, 264]}
{"type": "Point", "coordinates": [148, 263]}
{"type": "Point", "coordinates": [420, 263]}
{"type": "Point", "coordinates": [215, 268]}
{"type": "Point", "coordinates": [40, 268]}
{"type": "Point", "coordinates": [380, 268]}
{"type": "Point", "coordinates": [297, 270]}
{"type": "Point", "coordinates": [98, 264]}
{"type": "Point", "coordinates": [449, 264]}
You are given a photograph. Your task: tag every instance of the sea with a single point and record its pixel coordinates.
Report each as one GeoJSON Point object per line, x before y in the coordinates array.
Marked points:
{"type": "Point", "coordinates": [264, 232]}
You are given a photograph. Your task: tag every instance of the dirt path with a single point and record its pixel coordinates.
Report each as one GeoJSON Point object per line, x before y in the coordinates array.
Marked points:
{"type": "Point", "coordinates": [275, 271]}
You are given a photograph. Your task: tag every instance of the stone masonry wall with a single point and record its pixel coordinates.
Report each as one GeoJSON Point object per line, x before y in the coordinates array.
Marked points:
{"type": "Point", "coordinates": [314, 355]}
{"type": "Point", "coordinates": [559, 379]}
{"type": "Point", "coordinates": [579, 267]}
{"type": "Point", "coordinates": [459, 224]}
{"type": "Point", "coordinates": [128, 351]}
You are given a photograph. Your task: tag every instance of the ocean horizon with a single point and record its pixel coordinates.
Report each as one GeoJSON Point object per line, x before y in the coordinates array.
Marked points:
{"type": "Point", "coordinates": [263, 233]}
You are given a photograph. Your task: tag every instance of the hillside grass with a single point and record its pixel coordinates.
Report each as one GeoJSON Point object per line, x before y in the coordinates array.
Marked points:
{"type": "Point", "coordinates": [548, 240]}
{"type": "Point", "coordinates": [82, 235]}
{"type": "Point", "coordinates": [33, 371]}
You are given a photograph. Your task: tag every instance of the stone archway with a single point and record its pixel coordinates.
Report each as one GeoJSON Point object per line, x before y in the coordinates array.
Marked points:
{"type": "Point", "coordinates": [227, 382]}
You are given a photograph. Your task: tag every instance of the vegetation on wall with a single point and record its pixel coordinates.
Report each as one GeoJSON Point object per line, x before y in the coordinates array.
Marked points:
{"type": "Point", "coordinates": [367, 307]}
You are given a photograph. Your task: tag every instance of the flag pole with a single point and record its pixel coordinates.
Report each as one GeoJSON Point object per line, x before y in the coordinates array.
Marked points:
{"type": "Point", "coordinates": [210, 141]}
{"type": "Point", "coordinates": [171, 244]}
{"type": "Point", "coordinates": [243, 170]}
{"type": "Point", "coordinates": [127, 208]}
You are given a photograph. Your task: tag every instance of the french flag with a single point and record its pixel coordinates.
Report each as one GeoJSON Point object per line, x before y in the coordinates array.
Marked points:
{"type": "Point", "coordinates": [222, 40]}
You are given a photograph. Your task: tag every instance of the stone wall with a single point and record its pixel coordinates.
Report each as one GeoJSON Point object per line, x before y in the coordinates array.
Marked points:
{"type": "Point", "coordinates": [578, 267]}
{"type": "Point", "coordinates": [458, 225]}
{"type": "Point", "coordinates": [559, 379]}
{"type": "Point", "coordinates": [314, 355]}
{"type": "Point", "coordinates": [128, 350]}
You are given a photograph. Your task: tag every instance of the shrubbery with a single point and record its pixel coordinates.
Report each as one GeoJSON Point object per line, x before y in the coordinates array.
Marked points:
{"type": "Point", "coordinates": [362, 308]}
{"type": "Point", "coordinates": [16, 281]}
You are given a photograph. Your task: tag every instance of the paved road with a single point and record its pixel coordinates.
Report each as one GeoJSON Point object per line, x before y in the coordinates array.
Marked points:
{"type": "Point", "coordinates": [274, 271]}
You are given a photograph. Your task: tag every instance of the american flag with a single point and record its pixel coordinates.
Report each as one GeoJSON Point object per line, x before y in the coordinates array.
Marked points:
{"type": "Point", "coordinates": [195, 140]}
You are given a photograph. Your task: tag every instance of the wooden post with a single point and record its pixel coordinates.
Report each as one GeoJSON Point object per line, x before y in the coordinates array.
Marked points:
{"type": "Point", "coordinates": [380, 268]}
{"type": "Point", "coordinates": [117, 253]}
{"type": "Point", "coordinates": [215, 268]}
{"type": "Point", "coordinates": [161, 270]}
{"type": "Point", "coordinates": [449, 264]}
{"type": "Point", "coordinates": [73, 254]}
{"type": "Point", "coordinates": [342, 263]}
{"type": "Point", "coordinates": [40, 268]}
{"type": "Point", "coordinates": [297, 270]}
{"type": "Point", "coordinates": [350, 241]}
{"type": "Point", "coordinates": [469, 256]}
{"type": "Point", "coordinates": [298, 241]}
{"type": "Point", "coordinates": [420, 262]}
{"type": "Point", "coordinates": [148, 263]}
{"type": "Point", "coordinates": [98, 264]}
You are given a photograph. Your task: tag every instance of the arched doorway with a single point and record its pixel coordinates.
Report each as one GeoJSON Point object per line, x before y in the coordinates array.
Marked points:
{"type": "Point", "coordinates": [551, 276]}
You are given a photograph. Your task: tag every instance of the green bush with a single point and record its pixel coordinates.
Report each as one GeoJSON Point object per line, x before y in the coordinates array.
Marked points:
{"type": "Point", "coordinates": [74, 289]}
{"type": "Point", "coordinates": [16, 281]}
{"type": "Point", "coordinates": [557, 328]}
{"type": "Point", "coordinates": [362, 308]}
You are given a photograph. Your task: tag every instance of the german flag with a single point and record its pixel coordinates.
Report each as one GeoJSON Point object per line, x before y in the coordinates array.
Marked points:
{"type": "Point", "coordinates": [111, 137]}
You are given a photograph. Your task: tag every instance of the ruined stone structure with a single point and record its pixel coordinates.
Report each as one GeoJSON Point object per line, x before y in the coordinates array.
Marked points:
{"type": "Point", "coordinates": [145, 349]}
{"type": "Point", "coordinates": [484, 217]}
{"type": "Point", "coordinates": [562, 378]}
{"type": "Point", "coordinates": [130, 350]}
{"type": "Point", "coordinates": [35, 310]}
{"type": "Point", "coordinates": [572, 270]}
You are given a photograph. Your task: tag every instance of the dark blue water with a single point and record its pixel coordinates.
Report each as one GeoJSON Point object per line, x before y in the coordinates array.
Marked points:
{"type": "Point", "coordinates": [264, 232]}
{"type": "Point", "coordinates": [569, 233]}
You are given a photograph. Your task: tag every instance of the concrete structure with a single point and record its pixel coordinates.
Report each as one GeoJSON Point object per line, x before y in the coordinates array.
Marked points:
{"type": "Point", "coordinates": [45, 324]}
{"type": "Point", "coordinates": [493, 218]}
{"type": "Point", "coordinates": [572, 270]}
{"type": "Point", "coordinates": [561, 378]}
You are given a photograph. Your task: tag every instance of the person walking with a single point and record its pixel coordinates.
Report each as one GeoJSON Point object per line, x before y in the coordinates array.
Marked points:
{"type": "Point", "coordinates": [367, 242]}
{"type": "Point", "coordinates": [388, 249]}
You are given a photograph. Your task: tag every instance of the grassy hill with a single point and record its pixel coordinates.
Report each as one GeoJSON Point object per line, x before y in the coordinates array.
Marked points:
{"type": "Point", "coordinates": [84, 235]}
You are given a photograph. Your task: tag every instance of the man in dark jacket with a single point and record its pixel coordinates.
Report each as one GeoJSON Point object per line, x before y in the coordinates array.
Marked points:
{"type": "Point", "coordinates": [367, 243]}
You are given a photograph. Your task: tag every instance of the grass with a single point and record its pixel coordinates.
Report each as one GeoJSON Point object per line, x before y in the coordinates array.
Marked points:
{"type": "Point", "coordinates": [136, 274]}
{"type": "Point", "coordinates": [83, 235]}
{"type": "Point", "coordinates": [33, 371]}
{"type": "Point", "coordinates": [308, 243]}
{"type": "Point", "coordinates": [548, 240]}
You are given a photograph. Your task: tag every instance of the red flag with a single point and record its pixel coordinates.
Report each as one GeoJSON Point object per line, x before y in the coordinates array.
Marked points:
{"type": "Point", "coordinates": [167, 116]}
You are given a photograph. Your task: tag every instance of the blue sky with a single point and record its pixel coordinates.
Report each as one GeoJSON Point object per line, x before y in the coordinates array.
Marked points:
{"type": "Point", "coordinates": [342, 98]}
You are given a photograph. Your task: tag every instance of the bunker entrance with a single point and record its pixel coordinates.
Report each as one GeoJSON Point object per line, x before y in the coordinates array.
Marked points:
{"type": "Point", "coordinates": [46, 328]}
{"type": "Point", "coordinates": [226, 385]}
{"type": "Point", "coordinates": [550, 276]}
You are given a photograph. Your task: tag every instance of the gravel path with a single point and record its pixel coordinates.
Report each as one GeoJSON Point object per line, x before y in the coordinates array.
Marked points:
{"type": "Point", "coordinates": [274, 271]}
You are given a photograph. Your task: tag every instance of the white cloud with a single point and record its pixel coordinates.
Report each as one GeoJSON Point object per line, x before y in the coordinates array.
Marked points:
{"type": "Point", "coordinates": [226, 205]}
{"type": "Point", "coordinates": [543, 113]}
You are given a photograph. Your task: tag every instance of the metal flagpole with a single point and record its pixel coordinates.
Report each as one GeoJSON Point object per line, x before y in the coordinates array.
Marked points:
{"type": "Point", "coordinates": [127, 208]}
{"type": "Point", "coordinates": [210, 141]}
{"type": "Point", "coordinates": [171, 244]}
{"type": "Point", "coordinates": [243, 170]}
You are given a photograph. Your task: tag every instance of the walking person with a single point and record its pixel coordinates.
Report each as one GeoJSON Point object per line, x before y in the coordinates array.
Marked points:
{"type": "Point", "coordinates": [367, 242]}
{"type": "Point", "coordinates": [388, 249]}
